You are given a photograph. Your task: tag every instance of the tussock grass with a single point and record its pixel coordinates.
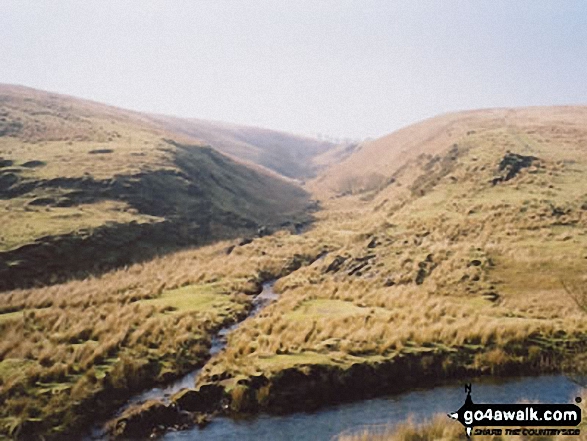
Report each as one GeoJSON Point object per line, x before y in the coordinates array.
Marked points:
{"type": "Point", "coordinates": [127, 329]}
{"type": "Point", "coordinates": [465, 263]}
{"type": "Point", "coordinates": [448, 265]}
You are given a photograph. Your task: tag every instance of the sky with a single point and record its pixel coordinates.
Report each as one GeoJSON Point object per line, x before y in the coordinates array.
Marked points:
{"type": "Point", "coordinates": [346, 69]}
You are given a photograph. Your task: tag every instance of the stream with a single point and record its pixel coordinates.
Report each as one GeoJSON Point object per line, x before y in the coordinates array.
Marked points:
{"type": "Point", "coordinates": [265, 297]}
{"type": "Point", "coordinates": [378, 413]}
{"type": "Point", "coordinates": [163, 393]}
{"type": "Point", "coordinates": [375, 414]}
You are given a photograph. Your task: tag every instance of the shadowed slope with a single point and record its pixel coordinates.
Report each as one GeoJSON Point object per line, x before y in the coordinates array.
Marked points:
{"type": "Point", "coordinates": [284, 153]}
{"type": "Point", "coordinates": [87, 187]}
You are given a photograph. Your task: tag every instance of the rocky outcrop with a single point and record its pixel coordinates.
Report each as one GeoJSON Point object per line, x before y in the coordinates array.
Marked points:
{"type": "Point", "coordinates": [208, 398]}
{"type": "Point", "coordinates": [141, 421]}
{"type": "Point", "coordinates": [511, 164]}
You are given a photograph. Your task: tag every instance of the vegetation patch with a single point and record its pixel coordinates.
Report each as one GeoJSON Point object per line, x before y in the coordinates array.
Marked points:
{"type": "Point", "coordinates": [192, 298]}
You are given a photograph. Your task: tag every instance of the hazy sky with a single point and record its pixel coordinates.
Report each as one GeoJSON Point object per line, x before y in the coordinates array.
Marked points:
{"type": "Point", "coordinates": [342, 68]}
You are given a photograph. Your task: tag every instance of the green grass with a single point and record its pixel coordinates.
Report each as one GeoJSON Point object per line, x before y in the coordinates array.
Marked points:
{"type": "Point", "coordinates": [325, 308]}
{"type": "Point", "coordinates": [13, 367]}
{"type": "Point", "coordinates": [193, 298]}
{"type": "Point", "coordinates": [278, 362]}
{"type": "Point", "coordinates": [119, 167]}
{"type": "Point", "coordinates": [10, 316]}
{"type": "Point", "coordinates": [341, 317]}
{"type": "Point", "coordinates": [22, 224]}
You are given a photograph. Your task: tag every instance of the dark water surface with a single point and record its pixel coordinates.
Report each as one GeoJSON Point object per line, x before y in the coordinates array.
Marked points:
{"type": "Point", "coordinates": [331, 421]}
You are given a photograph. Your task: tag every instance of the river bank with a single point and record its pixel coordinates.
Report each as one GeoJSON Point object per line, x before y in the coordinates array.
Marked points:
{"type": "Point", "coordinates": [312, 387]}
{"type": "Point", "coordinates": [332, 422]}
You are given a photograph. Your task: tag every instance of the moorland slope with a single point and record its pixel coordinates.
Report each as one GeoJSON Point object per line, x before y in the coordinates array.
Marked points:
{"type": "Point", "coordinates": [457, 260]}
{"type": "Point", "coordinates": [460, 259]}
{"type": "Point", "coordinates": [85, 187]}
{"type": "Point", "coordinates": [286, 154]}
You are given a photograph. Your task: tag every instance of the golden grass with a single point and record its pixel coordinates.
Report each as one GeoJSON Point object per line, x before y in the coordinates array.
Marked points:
{"type": "Point", "coordinates": [452, 262]}
{"type": "Point", "coordinates": [69, 165]}
{"type": "Point", "coordinates": [467, 263]}
{"type": "Point", "coordinates": [126, 329]}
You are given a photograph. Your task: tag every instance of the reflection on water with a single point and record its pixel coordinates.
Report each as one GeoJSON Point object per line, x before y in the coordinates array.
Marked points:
{"type": "Point", "coordinates": [329, 422]}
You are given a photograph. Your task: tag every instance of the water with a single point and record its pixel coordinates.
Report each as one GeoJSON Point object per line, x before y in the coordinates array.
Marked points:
{"type": "Point", "coordinates": [163, 393]}
{"type": "Point", "coordinates": [329, 422]}
{"type": "Point", "coordinates": [266, 296]}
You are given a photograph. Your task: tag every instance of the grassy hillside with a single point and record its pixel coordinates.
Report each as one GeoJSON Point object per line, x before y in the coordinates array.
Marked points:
{"type": "Point", "coordinates": [71, 353]}
{"type": "Point", "coordinates": [452, 263]}
{"type": "Point", "coordinates": [86, 187]}
{"type": "Point", "coordinates": [289, 155]}
{"type": "Point", "coordinates": [373, 163]}
{"type": "Point", "coordinates": [453, 266]}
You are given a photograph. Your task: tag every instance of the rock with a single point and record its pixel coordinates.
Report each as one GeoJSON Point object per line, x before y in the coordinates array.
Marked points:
{"type": "Point", "coordinates": [365, 258]}
{"type": "Point", "coordinates": [245, 241]}
{"type": "Point", "coordinates": [511, 164]}
{"type": "Point", "coordinates": [42, 201]}
{"type": "Point", "coordinates": [100, 151]}
{"type": "Point", "coordinates": [207, 398]}
{"type": "Point", "coordinates": [65, 202]}
{"type": "Point", "coordinates": [299, 227]}
{"type": "Point", "coordinates": [420, 276]}
{"type": "Point", "coordinates": [357, 268]}
{"type": "Point", "coordinates": [33, 164]}
{"type": "Point", "coordinates": [372, 243]}
{"type": "Point", "coordinates": [559, 211]}
{"type": "Point", "coordinates": [7, 180]}
{"type": "Point", "coordinates": [263, 231]}
{"type": "Point", "coordinates": [140, 421]}
{"type": "Point", "coordinates": [335, 265]}
{"type": "Point", "coordinates": [491, 296]}
{"type": "Point", "coordinates": [389, 282]}
{"type": "Point", "coordinates": [475, 262]}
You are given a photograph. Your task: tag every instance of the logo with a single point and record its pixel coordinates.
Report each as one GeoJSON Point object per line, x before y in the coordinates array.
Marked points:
{"type": "Point", "coordinates": [547, 416]}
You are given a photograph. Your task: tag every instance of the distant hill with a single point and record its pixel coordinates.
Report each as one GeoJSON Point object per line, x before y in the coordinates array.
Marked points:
{"type": "Point", "coordinates": [372, 164]}
{"type": "Point", "coordinates": [284, 153]}
{"type": "Point", "coordinates": [86, 187]}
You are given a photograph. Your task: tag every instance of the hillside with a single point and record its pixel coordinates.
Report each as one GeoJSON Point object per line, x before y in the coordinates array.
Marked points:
{"type": "Point", "coordinates": [463, 257]}
{"type": "Point", "coordinates": [85, 187]}
{"type": "Point", "coordinates": [374, 163]}
{"type": "Point", "coordinates": [462, 260]}
{"type": "Point", "coordinates": [289, 155]}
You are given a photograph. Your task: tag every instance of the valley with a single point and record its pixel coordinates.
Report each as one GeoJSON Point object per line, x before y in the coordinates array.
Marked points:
{"type": "Point", "coordinates": [452, 249]}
